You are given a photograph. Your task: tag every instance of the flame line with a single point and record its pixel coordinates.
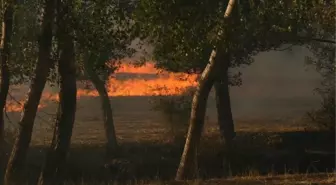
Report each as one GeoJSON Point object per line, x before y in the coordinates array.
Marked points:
{"type": "Point", "coordinates": [19, 103]}
{"type": "Point", "coordinates": [122, 83]}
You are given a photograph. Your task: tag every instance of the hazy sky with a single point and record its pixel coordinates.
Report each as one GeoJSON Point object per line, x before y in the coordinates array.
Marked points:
{"type": "Point", "coordinates": [277, 84]}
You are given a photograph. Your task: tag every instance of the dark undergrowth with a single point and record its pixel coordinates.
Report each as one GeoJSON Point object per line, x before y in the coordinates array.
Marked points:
{"type": "Point", "coordinates": [253, 154]}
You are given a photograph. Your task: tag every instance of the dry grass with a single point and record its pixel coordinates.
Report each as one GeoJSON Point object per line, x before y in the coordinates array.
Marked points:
{"type": "Point", "coordinates": [263, 146]}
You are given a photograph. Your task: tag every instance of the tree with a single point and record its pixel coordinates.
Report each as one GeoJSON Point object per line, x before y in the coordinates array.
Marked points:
{"type": "Point", "coordinates": [182, 43]}
{"type": "Point", "coordinates": [111, 138]}
{"type": "Point", "coordinates": [189, 50]}
{"type": "Point", "coordinates": [67, 106]}
{"type": "Point", "coordinates": [27, 27]}
{"type": "Point", "coordinates": [220, 61]}
{"type": "Point", "coordinates": [185, 31]}
{"type": "Point", "coordinates": [213, 71]}
{"type": "Point", "coordinates": [5, 54]}
{"type": "Point", "coordinates": [324, 61]}
{"type": "Point", "coordinates": [102, 40]}
{"type": "Point", "coordinates": [44, 63]}
{"type": "Point", "coordinates": [7, 28]}
{"type": "Point", "coordinates": [46, 47]}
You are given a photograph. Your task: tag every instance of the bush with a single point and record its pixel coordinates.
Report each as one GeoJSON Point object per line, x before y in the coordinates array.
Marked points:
{"type": "Point", "coordinates": [324, 117]}
{"type": "Point", "coordinates": [325, 63]}
{"type": "Point", "coordinates": [175, 110]}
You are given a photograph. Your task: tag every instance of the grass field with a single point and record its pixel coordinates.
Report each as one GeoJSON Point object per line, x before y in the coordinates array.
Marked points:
{"type": "Point", "coordinates": [268, 150]}
{"type": "Point", "coordinates": [274, 145]}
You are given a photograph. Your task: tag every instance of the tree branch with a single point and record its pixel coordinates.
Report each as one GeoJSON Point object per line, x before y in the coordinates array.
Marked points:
{"type": "Point", "coordinates": [40, 117]}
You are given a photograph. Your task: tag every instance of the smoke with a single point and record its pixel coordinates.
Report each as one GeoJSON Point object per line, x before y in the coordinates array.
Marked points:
{"type": "Point", "coordinates": [278, 84]}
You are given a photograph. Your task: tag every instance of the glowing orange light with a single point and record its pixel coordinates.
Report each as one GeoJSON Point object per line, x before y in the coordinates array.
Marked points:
{"type": "Point", "coordinates": [161, 83]}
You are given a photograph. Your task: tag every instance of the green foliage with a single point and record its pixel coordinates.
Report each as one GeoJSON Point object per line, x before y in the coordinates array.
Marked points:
{"type": "Point", "coordinates": [325, 63]}
{"type": "Point", "coordinates": [24, 46]}
{"type": "Point", "coordinates": [184, 32]}
{"type": "Point", "coordinates": [177, 31]}
{"type": "Point", "coordinates": [103, 32]}
{"type": "Point", "coordinates": [101, 28]}
{"type": "Point", "coordinates": [324, 117]}
{"type": "Point", "coordinates": [24, 41]}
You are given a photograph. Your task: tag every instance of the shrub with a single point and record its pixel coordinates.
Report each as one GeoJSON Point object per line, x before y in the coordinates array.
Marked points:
{"type": "Point", "coordinates": [324, 117]}
{"type": "Point", "coordinates": [324, 62]}
{"type": "Point", "coordinates": [175, 110]}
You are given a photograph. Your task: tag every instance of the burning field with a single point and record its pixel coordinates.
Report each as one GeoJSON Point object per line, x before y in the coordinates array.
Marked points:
{"type": "Point", "coordinates": [127, 81]}
{"type": "Point", "coordinates": [264, 120]}
{"type": "Point", "coordinates": [131, 89]}
{"type": "Point", "coordinates": [264, 93]}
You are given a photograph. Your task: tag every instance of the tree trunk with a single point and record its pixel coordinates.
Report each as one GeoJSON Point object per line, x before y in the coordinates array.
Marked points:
{"type": "Point", "coordinates": [56, 156]}
{"type": "Point", "coordinates": [5, 54]}
{"type": "Point", "coordinates": [111, 139]}
{"type": "Point", "coordinates": [44, 63]}
{"type": "Point", "coordinates": [4, 81]}
{"type": "Point", "coordinates": [66, 111]}
{"type": "Point", "coordinates": [225, 120]}
{"type": "Point", "coordinates": [188, 165]}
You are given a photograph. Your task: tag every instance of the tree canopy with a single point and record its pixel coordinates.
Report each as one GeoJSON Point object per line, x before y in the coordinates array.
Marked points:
{"type": "Point", "coordinates": [184, 32]}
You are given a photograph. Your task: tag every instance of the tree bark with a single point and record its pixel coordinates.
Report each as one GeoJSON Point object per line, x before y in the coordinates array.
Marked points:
{"type": "Point", "coordinates": [56, 156]}
{"type": "Point", "coordinates": [4, 81]}
{"type": "Point", "coordinates": [224, 113]}
{"type": "Point", "coordinates": [5, 54]}
{"type": "Point", "coordinates": [225, 120]}
{"type": "Point", "coordinates": [111, 139]}
{"type": "Point", "coordinates": [188, 165]}
{"type": "Point", "coordinates": [44, 63]}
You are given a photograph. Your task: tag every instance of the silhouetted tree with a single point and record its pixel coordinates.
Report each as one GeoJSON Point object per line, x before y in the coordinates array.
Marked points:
{"type": "Point", "coordinates": [43, 66]}
{"type": "Point", "coordinates": [184, 32]}
{"type": "Point", "coordinates": [103, 34]}
{"type": "Point", "coordinates": [65, 118]}
{"type": "Point", "coordinates": [7, 29]}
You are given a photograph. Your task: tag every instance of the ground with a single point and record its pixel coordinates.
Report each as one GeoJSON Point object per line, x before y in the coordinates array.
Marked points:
{"type": "Point", "coordinates": [270, 150]}
{"type": "Point", "coordinates": [274, 145]}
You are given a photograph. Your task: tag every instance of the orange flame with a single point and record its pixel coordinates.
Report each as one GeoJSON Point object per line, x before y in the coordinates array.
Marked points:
{"type": "Point", "coordinates": [148, 81]}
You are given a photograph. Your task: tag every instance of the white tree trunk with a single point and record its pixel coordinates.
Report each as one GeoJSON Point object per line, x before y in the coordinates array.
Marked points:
{"type": "Point", "coordinates": [188, 167]}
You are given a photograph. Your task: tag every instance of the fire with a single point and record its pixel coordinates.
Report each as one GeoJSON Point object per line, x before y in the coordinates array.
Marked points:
{"type": "Point", "coordinates": [149, 81]}
{"type": "Point", "coordinates": [147, 68]}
